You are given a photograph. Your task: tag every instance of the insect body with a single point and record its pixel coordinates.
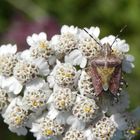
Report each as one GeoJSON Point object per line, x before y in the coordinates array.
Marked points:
{"type": "Point", "coordinates": [106, 71]}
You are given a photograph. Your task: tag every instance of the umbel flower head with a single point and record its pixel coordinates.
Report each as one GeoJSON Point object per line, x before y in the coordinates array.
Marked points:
{"type": "Point", "coordinates": [68, 88]}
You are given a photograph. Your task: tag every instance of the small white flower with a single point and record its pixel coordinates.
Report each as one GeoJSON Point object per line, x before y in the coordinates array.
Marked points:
{"type": "Point", "coordinates": [7, 59]}
{"type": "Point", "coordinates": [8, 49]}
{"type": "Point", "coordinates": [119, 46]}
{"type": "Point", "coordinates": [87, 44]}
{"type": "Point", "coordinates": [5, 99]}
{"type": "Point", "coordinates": [69, 29]}
{"type": "Point", "coordinates": [24, 55]}
{"type": "Point", "coordinates": [75, 123]}
{"type": "Point", "coordinates": [42, 65]}
{"type": "Point", "coordinates": [85, 109]}
{"type": "Point", "coordinates": [39, 62]}
{"type": "Point", "coordinates": [36, 95]}
{"type": "Point", "coordinates": [51, 80]}
{"type": "Point", "coordinates": [127, 63]}
{"type": "Point", "coordinates": [11, 84]}
{"type": "Point", "coordinates": [93, 31]}
{"type": "Point", "coordinates": [40, 46]}
{"type": "Point", "coordinates": [60, 103]}
{"type": "Point", "coordinates": [38, 40]}
{"type": "Point", "coordinates": [75, 58]}
{"type": "Point", "coordinates": [7, 63]}
{"type": "Point", "coordinates": [74, 134]}
{"type": "Point", "coordinates": [27, 70]}
{"type": "Point", "coordinates": [16, 116]}
{"type": "Point", "coordinates": [64, 98]}
{"type": "Point", "coordinates": [85, 85]}
{"type": "Point", "coordinates": [47, 128]}
{"type": "Point", "coordinates": [104, 129]}
{"type": "Point", "coordinates": [5, 96]}
{"type": "Point", "coordinates": [65, 42]}
{"type": "Point", "coordinates": [63, 74]}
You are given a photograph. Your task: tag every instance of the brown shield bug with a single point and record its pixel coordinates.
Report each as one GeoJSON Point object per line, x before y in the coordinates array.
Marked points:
{"type": "Point", "coordinates": [106, 70]}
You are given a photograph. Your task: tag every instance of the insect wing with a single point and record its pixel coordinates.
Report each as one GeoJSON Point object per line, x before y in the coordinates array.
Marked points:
{"type": "Point", "coordinates": [115, 80]}
{"type": "Point", "coordinates": [96, 80]}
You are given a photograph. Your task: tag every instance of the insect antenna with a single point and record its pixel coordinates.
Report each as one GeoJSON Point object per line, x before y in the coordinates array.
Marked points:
{"type": "Point", "coordinates": [122, 29]}
{"type": "Point", "coordinates": [93, 37]}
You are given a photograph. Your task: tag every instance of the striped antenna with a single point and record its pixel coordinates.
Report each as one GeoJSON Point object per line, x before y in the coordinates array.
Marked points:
{"type": "Point", "coordinates": [92, 37]}
{"type": "Point", "coordinates": [118, 34]}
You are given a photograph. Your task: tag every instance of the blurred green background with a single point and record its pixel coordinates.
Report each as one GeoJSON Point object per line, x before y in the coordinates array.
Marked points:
{"type": "Point", "coordinates": [21, 18]}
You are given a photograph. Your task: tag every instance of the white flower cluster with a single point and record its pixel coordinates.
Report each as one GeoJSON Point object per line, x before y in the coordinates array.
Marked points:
{"type": "Point", "coordinates": [68, 88]}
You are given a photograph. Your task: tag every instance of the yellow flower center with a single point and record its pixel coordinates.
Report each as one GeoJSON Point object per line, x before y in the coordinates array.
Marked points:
{"type": "Point", "coordinates": [66, 74]}
{"type": "Point", "coordinates": [62, 103]}
{"type": "Point", "coordinates": [35, 103]}
{"type": "Point", "coordinates": [48, 132]}
{"type": "Point", "coordinates": [69, 75]}
{"type": "Point", "coordinates": [133, 132]}
{"type": "Point", "coordinates": [17, 120]}
{"type": "Point", "coordinates": [87, 109]}
{"type": "Point", "coordinates": [42, 45]}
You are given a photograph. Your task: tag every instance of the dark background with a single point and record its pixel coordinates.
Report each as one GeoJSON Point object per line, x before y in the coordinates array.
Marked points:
{"type": "Point", "coordinates": [21, 18]}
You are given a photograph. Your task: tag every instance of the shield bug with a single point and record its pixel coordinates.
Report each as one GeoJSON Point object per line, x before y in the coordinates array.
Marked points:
{"type": "Point", "coordinates": [106, 70]}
